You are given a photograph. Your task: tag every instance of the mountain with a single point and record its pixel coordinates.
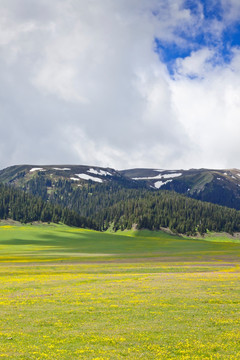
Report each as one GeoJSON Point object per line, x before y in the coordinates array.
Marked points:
{"type": "Point", "coordinates": [103, 197]}
{"type": "Point", "coordinates": [20, 175]}
{"type": "Point", "coordinates": [217, 186]}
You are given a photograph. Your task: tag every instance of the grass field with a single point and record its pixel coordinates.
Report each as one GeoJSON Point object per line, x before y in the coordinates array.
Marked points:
{"type": "Point", "coordinates": [68, 293]}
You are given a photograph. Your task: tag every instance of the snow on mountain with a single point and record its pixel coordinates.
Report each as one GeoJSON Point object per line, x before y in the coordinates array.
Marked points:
{"type": "Point", "coordinates": [61, 169]}
{"type": "Point", "coordinates": [169, 176]}
{"type": "Point", "coordinates": [89, 177]}
{"type": "Point", "coordinates": [99, 172]}
{"type": "Point", "coordinates": [160, 183]}
{"type": "Point", "coordinates": [36, 169]}
{"type": "Point", "coordinates": [159, 176]}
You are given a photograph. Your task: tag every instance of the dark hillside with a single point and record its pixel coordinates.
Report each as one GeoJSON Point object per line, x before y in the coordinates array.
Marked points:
{"type": "Point", "coordinates": [21, 206]}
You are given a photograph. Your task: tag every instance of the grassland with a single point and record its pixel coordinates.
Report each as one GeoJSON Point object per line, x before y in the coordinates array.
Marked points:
{"type": "Point", "coordinates": [68, 293]}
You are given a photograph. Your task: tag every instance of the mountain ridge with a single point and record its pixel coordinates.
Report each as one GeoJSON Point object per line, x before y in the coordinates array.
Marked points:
{"type": "Point", "coordinates": [105, 197]}
{"type": "Point", "coordinates": [219, 186]}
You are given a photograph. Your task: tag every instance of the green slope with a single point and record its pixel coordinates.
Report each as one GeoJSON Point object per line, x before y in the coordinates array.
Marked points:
{"type": "Point", "coordinates": [62, 243]}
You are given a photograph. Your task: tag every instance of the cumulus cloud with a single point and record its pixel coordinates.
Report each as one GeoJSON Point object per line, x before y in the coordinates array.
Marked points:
{"type": "Point", "coordinates": [84, 84]}
{"type": "Point", "coordinates": [212, 119]}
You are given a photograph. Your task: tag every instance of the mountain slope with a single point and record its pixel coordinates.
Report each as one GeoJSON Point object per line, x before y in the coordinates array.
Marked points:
{"type": "Point", "coordinates": [129, 197]}
{"type": "Point", "coordinates": [217, 186]}
{"type": "Point", "coordinates": [20, 206]}
{"type": "Point", "coordinates": [22, 173]}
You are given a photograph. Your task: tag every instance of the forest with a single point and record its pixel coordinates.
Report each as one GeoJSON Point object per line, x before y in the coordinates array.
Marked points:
{"type": "Point", "coordinates": [21, 206]}
{"type": "Point", "coordinates": [100, 206]}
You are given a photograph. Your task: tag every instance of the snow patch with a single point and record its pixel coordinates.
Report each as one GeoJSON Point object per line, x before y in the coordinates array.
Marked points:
{"type": "Point", "coordinates": [99, 172]}
{"type": "Point", "coordinates": [158, 184]}
{"type": "Point", "coordinates": [159, 176]}
{"type": "Point", "coordinates": [74, 179]}
{"type": "Point", "coordinates": [148, 178]}
{"type": "Point", "coordinates": [61, 169]}
{"type": "Point", "coordinates": [161, 170]}
{"type": "Point", "coordinates": [167, 176]}
{"type": "Point", "coordinates": [37, 169]}
{"type": "Point", "coordinates": [89, 177]}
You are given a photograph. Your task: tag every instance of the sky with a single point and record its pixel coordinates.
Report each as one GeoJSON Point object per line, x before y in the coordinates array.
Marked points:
{"type": "Point", "coordinates": [120, 83]}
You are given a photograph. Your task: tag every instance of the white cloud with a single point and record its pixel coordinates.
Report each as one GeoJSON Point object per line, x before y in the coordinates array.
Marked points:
{"type": "Point", "coordinates": [195, 65]}
{"type": "Point", "coordinates": [231, 11]}
{"type": "Point", "coordinates": [209, 110]}
{"type": "Point", "coordinates": [82, 84]}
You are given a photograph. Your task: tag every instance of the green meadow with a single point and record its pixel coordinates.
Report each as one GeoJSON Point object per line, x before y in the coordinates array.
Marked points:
{"type": "Point", "coordinates": [68, 293]}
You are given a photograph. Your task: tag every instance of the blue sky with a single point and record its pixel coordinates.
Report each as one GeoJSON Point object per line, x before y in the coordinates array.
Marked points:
{"type": "Point", "coordinates": [201, 33]}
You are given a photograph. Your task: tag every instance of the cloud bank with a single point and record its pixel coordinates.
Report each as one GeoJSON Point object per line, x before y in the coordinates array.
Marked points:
{"type": "Point", "coordinates": [140, 83]}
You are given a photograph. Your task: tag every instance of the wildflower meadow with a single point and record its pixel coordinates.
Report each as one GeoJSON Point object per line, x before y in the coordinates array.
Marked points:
{"type": "Point", "coordinates": [67, 293]}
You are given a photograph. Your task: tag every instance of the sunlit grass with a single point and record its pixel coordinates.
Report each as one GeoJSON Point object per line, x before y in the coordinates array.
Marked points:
{"type": "Point", "coordinates": [94, 301]}
{"type": "Point", "coordinates": [111, 311]}
{"type": "Point", "coordinates": [64, 243]}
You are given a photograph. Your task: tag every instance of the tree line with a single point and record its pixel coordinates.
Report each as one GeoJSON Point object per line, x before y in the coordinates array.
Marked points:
{"type": "Point", "coordinates": [112, 203]}
{"type": "Point", "coordinates": [98, 206]}
{"type": "Point", "coordinates": [26, 208]}
{"type": "Point", "coordinates": [170, 210]}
